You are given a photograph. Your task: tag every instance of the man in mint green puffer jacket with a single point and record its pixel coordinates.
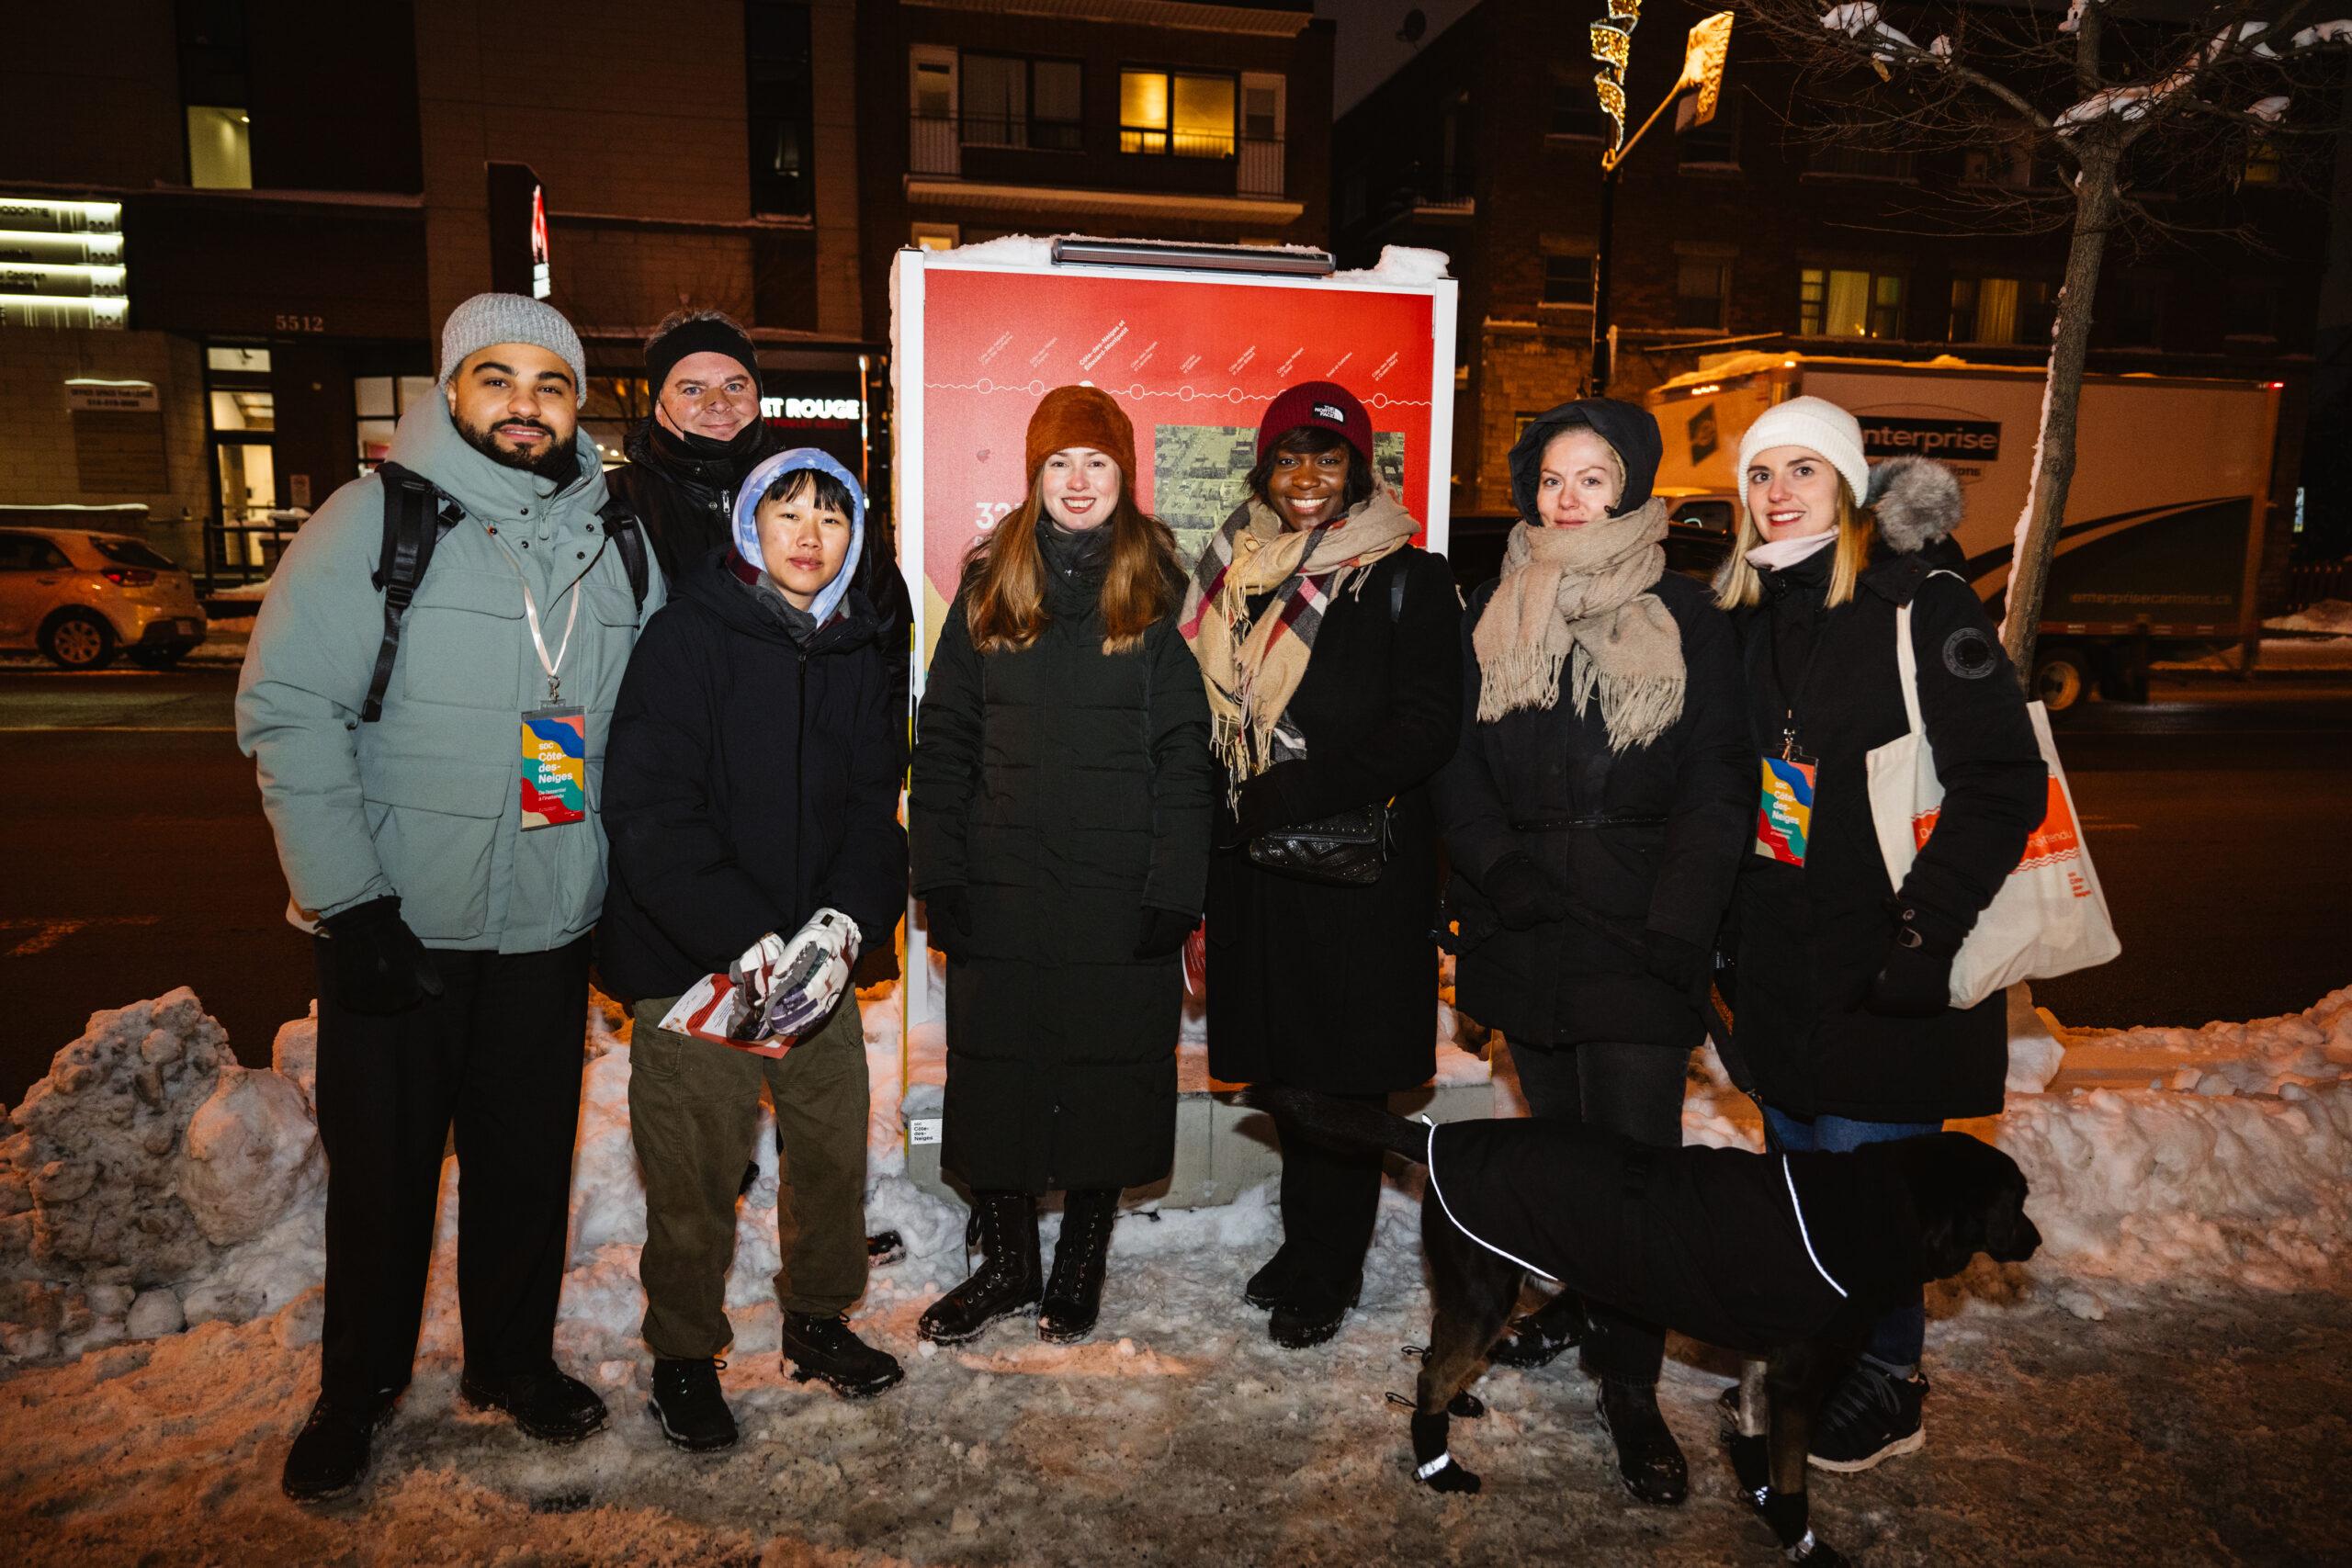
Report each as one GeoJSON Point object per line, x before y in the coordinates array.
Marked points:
{"type": "Point", "coordinates": [449, 896]}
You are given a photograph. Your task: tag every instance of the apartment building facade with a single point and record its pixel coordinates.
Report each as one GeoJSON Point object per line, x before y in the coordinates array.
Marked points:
{"type": "Point", "coordinates": [1748, 232]}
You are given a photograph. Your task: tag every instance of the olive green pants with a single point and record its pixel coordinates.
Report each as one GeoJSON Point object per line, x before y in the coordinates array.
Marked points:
{"type": "Point", "coordinates": [693, 1108]}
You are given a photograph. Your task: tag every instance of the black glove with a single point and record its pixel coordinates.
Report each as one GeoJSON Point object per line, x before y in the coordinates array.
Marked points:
{"type": "Point", "coordinates": [1916, 979]}
{"type": "Point", "coordinates": [1683, 965]}
{"type": "Point", "coordinates": [1262, 805]}
{"type": "Point", "coordinates": [1163, 933]}
{"type": "Point", "coordinates": [1523, 895]}
{"type": "Point", "coordinates": [951, 918]}
{"type": "Point", "coordinates": [380, 967]}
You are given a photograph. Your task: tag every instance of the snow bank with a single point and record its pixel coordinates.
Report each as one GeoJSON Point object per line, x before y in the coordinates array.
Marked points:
{"type": "Point", "coordinates": [2329, 615]}
{"type": "Point", "coordinates": [151, 1183]}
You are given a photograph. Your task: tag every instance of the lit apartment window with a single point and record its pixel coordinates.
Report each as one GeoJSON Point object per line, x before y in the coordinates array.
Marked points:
{"type": "Point", "coordinates": [933, 236]}
{"type": "Point", "coordinates": [778, 87]}
{"type": "Point", "coordinates": [1842, 302]}
{"type": "Point", "coordinates": [219, 148]}
{"type": "Point", "coordinates": [1699, 289]}
{"type": "Point", "coordinates": [1567, 280]}
{"type": "Point", "coordinates": [1010, 101]}
{"type": "Point", "coordinates": [1172, 112]}
{"type": "Point", "coordinates": [214, 93]}
{"type": "Point", "coordinates": [2262, 165]}
{"type": "Point", "coordinates": [2001, 310]}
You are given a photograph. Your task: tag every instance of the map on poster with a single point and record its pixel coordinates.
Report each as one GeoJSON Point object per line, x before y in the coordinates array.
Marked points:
{"type": "Point", "coordinates": [1192, 357]}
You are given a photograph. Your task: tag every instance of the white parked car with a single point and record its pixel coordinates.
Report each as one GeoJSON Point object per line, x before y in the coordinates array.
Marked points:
{"type": "Point", "coordinates": [81, 597]}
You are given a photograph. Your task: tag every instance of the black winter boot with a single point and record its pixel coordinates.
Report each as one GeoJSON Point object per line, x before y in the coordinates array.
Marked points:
{"type": "Point", "coordinates": [1312, 1310]}
{"type": "Point", "coordinates": [330, 1454]}
{"type": "Point", "coordinates": [1074, 1291]}
{"type": "Point", "coordinates": [1534, 1340]}
{"type": "Point", "coordinates": [827, 1348]}
{"type": "Point", "coordinates": [545, 1402]}
{"type": "Point", "coordinates": [687, 1403]}
{"type": "Point", "coordinates": [1007, 1279]}
{"type": "Point", "coordinates": [1271, 1281]}
{"type": "Point", "coordinates": [1650, 1460]}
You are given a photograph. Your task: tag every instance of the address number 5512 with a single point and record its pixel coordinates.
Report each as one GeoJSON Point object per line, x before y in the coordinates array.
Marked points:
{"type": "Point", "coordinates": [288, 323]}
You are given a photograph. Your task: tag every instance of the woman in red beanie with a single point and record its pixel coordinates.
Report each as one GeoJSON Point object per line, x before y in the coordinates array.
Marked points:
{"type": "Point", "coordinates": [1330, 648]}
{"type": "Point", "coordinates": [1060, 818]}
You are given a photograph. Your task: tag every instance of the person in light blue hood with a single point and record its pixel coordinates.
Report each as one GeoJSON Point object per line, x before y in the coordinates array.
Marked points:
{"type": "Point", "coordinates": [751, 787]}
{"type": "Point", "coordinates": [780, 536]}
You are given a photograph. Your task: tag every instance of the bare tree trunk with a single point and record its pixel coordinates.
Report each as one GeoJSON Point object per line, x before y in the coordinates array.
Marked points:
{"type": "Point", "coordinates": [2096, 208]}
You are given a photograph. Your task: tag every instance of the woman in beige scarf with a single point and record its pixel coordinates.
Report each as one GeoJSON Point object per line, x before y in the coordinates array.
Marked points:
{"type": "Point", "coordinates": [1330, 650]}
{"type": "Point", "coordinates": [1595, 815]}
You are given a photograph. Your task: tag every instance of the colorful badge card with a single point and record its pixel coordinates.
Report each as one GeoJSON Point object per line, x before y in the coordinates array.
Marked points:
{"type": "Point", "coordinates": [1784, 811]}
{"type": "Point", "coordinates": [555, 767]}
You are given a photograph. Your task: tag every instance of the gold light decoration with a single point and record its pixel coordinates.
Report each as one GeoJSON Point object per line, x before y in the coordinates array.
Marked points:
{"type": "Point", "coordinates": [1613, 45]}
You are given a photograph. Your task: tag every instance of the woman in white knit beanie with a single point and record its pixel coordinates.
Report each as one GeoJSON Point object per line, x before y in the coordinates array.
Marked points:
{"type": "Point", "coordinates": [1843, 980]}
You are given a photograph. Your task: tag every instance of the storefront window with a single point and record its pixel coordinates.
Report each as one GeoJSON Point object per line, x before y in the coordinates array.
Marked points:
{"type": "Point", "coordinates": [377, 402]}
{"type": "Point", "coordinates": [241, 420]}
{"type": "Point", "coordinates": [615, 403]}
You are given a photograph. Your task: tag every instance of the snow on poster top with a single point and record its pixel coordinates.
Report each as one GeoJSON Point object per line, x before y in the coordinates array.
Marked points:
{"type": "Point", "coordinates": [1194, 358]}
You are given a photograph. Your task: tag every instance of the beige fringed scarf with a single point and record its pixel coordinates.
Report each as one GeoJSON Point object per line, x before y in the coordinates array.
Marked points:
{"type": "Point", "coordinates": [1579, 598]}
{"type": "Point", "coordinates": [1252, 669]}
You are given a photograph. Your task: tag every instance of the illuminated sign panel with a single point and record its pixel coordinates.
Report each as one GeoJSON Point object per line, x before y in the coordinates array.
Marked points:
{"type": "Point", "coordinates": [61, 263]}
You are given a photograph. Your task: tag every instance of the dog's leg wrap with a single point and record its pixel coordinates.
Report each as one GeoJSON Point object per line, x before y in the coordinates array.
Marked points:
{"type": "Point", "coordinates": [1787, 1513]}
{"type": "Point", "coordinates": [1423, 1472]}
{"type": "Point", "coordinates": [1428, 1443]}
{"type": "Point", "coordinates": [1751, 1461]}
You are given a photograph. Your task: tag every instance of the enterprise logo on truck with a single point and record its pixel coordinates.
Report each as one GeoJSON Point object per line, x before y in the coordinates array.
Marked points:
{"type": "Point", "coordinates": [1976, 440]}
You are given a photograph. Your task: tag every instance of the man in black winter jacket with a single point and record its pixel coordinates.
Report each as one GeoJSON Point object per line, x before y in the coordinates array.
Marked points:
{"type": "Point", "coordinates": [751, 792]}
{"type": "Point", "coordinates": [688, 459]}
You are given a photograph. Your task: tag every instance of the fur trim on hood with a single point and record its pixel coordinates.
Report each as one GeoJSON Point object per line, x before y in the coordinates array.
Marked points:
{"type": "Point", "coordinates": [1916, 501]}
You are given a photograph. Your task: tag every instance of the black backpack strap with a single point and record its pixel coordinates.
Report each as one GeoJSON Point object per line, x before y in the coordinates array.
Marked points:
{"type": "Point", "coordinates": [415, 516]}
{"type": "Point", "coordinates": [628, 537]}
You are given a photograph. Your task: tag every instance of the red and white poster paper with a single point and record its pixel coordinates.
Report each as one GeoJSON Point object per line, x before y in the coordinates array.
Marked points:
{"type": "Point", "coordinates": [1194, 358]}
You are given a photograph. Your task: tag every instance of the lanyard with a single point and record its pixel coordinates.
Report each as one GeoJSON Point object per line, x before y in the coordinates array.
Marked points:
{"type": "Point", "coordinates": [1790, 697]}
{"type": "Point", "coordinates": [531, 614]}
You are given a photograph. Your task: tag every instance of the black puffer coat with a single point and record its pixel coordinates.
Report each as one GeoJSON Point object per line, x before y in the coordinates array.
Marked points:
{"type": "Point", "coordinates": [688, 506]}
{"type": "Point", "coordinates": [1645, 839]}
{"type": "Point", "coordinates": [1811, 938]}
{"type": "Point", "coordinates": [751, 780]}
{"type": "Point", "coordinates": [1335, 989]}
{"type": "Point", "coordinates": [1068, 791]}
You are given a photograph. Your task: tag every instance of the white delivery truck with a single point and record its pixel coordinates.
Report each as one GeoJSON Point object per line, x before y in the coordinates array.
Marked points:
{"type": "Point", "coordinates": [2162, 542]}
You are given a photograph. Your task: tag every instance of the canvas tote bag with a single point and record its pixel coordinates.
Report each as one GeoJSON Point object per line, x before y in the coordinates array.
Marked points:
{"type": "Point", "coordinates": [2050, 918]}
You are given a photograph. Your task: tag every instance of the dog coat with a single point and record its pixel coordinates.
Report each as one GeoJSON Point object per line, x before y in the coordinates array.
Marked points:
{"type": "Point", "coordinates": [1743, 1250]}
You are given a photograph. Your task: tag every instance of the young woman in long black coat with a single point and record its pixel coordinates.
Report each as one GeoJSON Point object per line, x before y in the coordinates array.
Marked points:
{"type": "Point", "coordinates": [1843, 990]}
{"type": "Point", "coordinates": [1060, 824]}
{"type": "Point", "coordinates": [1596, 815]}
{"type": "Point", "coordinates": [1330, 648]}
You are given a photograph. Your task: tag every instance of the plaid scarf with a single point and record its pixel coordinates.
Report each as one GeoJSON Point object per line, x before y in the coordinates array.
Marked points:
{"type": "Point", "coordinates": [1252, 669]}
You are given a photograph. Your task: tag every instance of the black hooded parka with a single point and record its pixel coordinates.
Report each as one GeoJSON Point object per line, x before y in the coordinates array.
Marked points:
{"type": "Point", "coordinates": [1811, 938]}
{"type": "Point", "coordinates": [1066, 790]}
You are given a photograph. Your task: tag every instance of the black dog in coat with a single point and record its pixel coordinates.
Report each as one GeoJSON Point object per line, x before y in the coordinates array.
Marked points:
{"type": "Point", "coordinates": [1787, 1258]}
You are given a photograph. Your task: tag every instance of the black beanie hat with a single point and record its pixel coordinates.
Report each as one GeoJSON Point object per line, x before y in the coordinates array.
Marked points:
{"type": "Point", "coordinates": [1628, 428]}
{"type": "Point", "coordinates": [704, 335]}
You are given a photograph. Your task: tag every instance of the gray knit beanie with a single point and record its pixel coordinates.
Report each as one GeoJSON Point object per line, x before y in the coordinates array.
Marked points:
{"type": "Point", "coordinates": [487, 319]}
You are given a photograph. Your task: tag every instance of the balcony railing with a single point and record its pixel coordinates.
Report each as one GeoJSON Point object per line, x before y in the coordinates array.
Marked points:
{"type": "Point", "coordinates": [939, 144]}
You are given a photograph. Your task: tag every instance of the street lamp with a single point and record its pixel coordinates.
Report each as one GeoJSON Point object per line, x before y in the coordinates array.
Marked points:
{"type": "Point", "coordinates": [1702, 75]}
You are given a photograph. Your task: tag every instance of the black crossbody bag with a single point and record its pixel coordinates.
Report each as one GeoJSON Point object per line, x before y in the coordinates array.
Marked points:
{"type": "Point", "coordinates": [1348, 848]}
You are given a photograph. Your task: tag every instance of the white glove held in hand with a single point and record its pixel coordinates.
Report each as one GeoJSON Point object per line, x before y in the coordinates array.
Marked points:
{"type": "Point", "coordinates": [804, 976]}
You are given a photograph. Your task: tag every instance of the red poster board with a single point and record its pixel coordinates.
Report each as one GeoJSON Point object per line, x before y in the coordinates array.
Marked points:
{"type": "Point", "coordinates": [1194, 358]}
